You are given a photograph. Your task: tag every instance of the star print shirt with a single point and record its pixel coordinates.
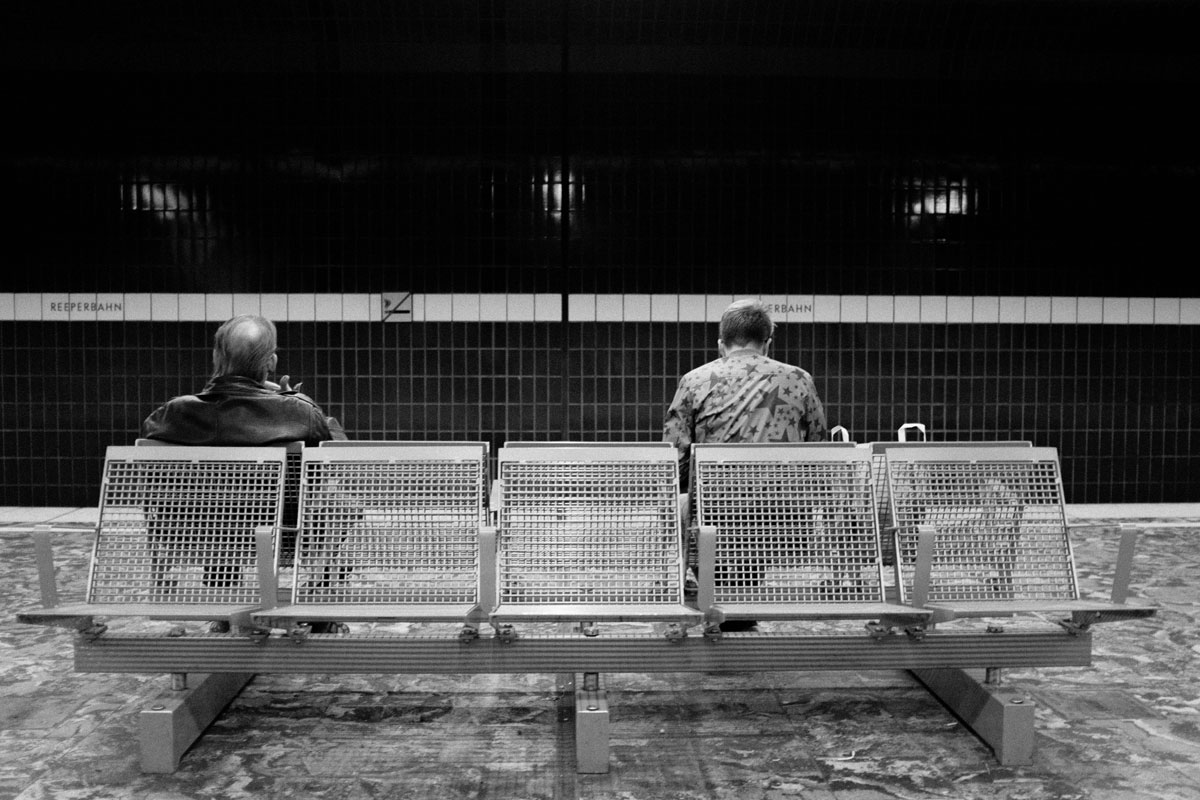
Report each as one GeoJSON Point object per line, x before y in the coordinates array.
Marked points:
{"type": "Point", "coordinates": [743, 397]}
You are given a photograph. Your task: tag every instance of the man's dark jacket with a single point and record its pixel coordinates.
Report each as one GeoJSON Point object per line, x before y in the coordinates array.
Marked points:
{"type": "Point", "coordinates": [237, 411]}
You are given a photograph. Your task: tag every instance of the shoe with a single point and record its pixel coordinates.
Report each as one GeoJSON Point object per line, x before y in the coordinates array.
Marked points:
{"type": "Point", "coordinates": [739, 626]}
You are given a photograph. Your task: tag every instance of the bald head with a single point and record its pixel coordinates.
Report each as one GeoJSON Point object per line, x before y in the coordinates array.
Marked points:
{"type": "Point", "coordinates": [245, 346]}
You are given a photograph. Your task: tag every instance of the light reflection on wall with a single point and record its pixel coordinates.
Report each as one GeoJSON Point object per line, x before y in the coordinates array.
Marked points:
{"type": "Point", "coordinates": [181, 217]}
{"type": "Point", "coordinates": [933, 207]}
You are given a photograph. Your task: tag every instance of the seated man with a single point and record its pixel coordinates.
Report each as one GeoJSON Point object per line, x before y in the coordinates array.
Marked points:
{"type": "Point", "coordinates": [743, 396]}
{"type": "Point", "coordinates": [239, 406]}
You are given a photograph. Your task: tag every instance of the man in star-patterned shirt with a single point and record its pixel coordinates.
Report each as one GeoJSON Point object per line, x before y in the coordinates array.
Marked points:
{"type": "Point", "coordinates": [743, 396]}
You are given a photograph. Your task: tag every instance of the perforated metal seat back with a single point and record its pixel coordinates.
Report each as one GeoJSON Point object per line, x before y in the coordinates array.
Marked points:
{"type": "Point", "coordinates": [794, 525]}
{"type": "Point", "coordinates": [176, 524]}
{"type": "Point", "coordinates": [391, 524]}
{"type": "Point", "coordinates": [589, 525]}
{"type": "Point", "coordinates": [998, 517]}
{"type": "Point", "coordinates": [879, 450]}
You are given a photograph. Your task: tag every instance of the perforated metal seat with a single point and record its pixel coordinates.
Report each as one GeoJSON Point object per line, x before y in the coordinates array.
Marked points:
{"type": "Point", "coordinates": [994, 522]}
{"type": "Point", "coordinates": [788, 532]}
{"type": "Point", "coordinates": [590, 534]}
{"type": "Point", "coordinates": [176, 537]}
{"type": "Point", "coordinates": [389, 532]}
{"type": "Point", "coordinates": [883, 500]}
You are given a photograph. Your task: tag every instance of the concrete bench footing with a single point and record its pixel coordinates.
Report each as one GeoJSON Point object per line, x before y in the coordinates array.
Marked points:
{"type": "Point", "coordinates": [170, 723]}
{"type": "Point", "coordinates": [1002, 718]}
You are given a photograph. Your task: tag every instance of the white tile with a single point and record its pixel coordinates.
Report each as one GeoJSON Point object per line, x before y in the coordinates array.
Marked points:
{"type": "Point", "coordinates": [27, 306]}
{"type": "Point", "coordinates": [1141, 310]}
{"type": "Point", "coordinates": [907, 308]}
{"type": "Point", "coordinates": [137, 307]}
{"type": "Point", "coordinates": [520, 308]}
{"type": "Point", "coordinates": [776, 305]}
{"type": "Point", "coordinates": [800, 307]}
{"type": "Point", "coordinates": [881, 308]}
{"type": "Point", "coordinates": [111, 307]}
{"type": "Point", "coordinates": [1189, 311]}
{"type": "Point", "coordinates": [1063, 310]}
{"type": "Point", "coordinates": [359, 307]}
{"type": "Point", "coordinates": [8, 305]}
{"type": "Point", "coordinates": [273, 307]}
{"type": "Point", "coordinates": [933, 308]}
{"type": "Point", "coordinates": [1115, 310]}
{"type": "Point", "coordinates": [164, 307]}
{"type": "Point", "coordinates": [854, 308]}
{"type": "Point", "coordinates": [464, 307]}
{"type": "Point", "coordinates": [1012, 310]}
{"type": "Point", "coordinates": [54, 307]}
{"type": "Point", "coordinates": [493, 307]}
{"type": "Point", "coordinates": [715, 305]}
{"type": "Point", "coordinates": [960, 309]}
{"type": "Point", "coordinates": [81, 307]}
{"type": "Point", "coordinates": [327, 308]}
{"type": "Point", "coordinates": [547, 308]}
{"type": "Point", "coordinates": [301, 307]}
{"type": "Point", "coordinates": [1089, 310]}
{"type": "Point", "coordinates": [246, 304]}
{"type": "Point", "coordinates": [637, 308]}
{"type": "Point", "coordinates": [664, 307]}
{"type": "Point", "coordinates": [693, 308]}
{"type": "Point", "coordinates": [1039, 310]}
{"type": "Point", "coordinates": [827, 308]}
{"type": "Point", "coordinates": [218, 307]}
{"type": "Point", "coordinates": [193, 308]}
{"type": "Point", "coordinates": [985, 309]}
{"type": "Point", "coordinates": [439, 308]}
{"type": "Point", "coordinates": [581, 307]}
{"type": "Point", "coordinates": [609, 308]}
{"type": "Point", "coordinates": [1166, 310]}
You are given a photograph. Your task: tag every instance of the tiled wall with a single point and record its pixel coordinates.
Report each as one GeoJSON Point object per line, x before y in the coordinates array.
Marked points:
{"type": "Point", "coordinates": [515, 220]}
{"type": "Point", "coordinates": [1108, 381]}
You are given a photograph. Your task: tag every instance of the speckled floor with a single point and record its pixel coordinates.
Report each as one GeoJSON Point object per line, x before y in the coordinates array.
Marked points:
{"type": "Point", "coordinates": [1126, 727]}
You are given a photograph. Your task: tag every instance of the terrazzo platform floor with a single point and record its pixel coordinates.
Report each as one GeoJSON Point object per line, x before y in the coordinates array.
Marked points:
{"type": "Point", "coordinates": [1126, 727]}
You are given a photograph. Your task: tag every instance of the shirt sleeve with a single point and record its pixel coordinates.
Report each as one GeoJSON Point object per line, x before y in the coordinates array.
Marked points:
{"type": "Point", "coordinates": [677, 429]}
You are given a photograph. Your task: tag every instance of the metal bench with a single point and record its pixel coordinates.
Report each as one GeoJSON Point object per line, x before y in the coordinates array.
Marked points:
{"type": "Point", "coordinates": [389, 533]}
{"type": "Point", "coordinates": [788, 532]}
{"type": "Point", "coordinates": [589, 544]}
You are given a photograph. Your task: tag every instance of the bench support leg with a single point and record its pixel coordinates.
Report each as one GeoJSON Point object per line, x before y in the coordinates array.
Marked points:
{"type": "Point", "coordinates": [591, 725]}
{"type": "Point", "coordinates": [170, 723]}
{"type": "Point", "coordinates": [1002, 718]}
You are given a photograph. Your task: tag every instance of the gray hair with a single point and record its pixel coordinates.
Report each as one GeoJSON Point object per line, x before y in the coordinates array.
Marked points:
{"type": "Point", "coordinates": [244, 346]}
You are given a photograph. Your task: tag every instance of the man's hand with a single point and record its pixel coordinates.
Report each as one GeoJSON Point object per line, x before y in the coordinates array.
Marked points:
{"type": "Point", "coordinates": [283, 386]}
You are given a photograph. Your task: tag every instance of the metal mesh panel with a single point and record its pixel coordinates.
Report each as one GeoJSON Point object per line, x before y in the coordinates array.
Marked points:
{"type": "Point", "coordinates": [381, 529]}
{"type": "Point", "coordinates": [883, 496]}
{"type": "Point", "coordinates": [592, 532]}
{"type": "Point", "coordinates": [1000, 529]}
{"type": "Point", "coordinates": [181, 531]}
{"type": "Point", "coordinates": [791, 531]}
